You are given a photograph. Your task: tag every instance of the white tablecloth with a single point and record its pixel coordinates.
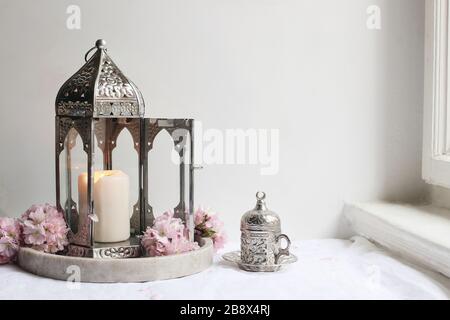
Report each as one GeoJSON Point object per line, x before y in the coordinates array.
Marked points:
{"type": "Point", "coordinates": [326, 269]}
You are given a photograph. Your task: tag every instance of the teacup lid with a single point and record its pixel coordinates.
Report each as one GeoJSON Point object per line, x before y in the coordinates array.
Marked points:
{"type": "Point", "coordinates": [260, 218]}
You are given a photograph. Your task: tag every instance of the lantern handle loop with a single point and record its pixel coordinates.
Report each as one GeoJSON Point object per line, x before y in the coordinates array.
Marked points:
{"type": "Point", "coordinates": [87, 53]}
{"type": "Point", "coordinates": [100, 44]}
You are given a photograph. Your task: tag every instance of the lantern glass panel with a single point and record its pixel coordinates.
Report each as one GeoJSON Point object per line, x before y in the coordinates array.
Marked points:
{"type": "Point", "coordinates": [116, 179]}
{"type": "Point", "coordinates": [169, 169]}
{"type": "Point", "coordinates": [163, 174]}
{"type": "Point", "coordinates": [72, 163]}
{"type": "Point", "coordinates": [126, 159]}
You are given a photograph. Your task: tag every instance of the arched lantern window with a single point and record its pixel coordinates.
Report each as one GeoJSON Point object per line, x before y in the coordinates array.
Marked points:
{"type": "Point", "coordinates": [93, 108]}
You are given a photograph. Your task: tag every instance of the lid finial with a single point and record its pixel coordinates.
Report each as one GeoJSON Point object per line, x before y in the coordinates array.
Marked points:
{"type": "Point", "coordinates": [260, 203]}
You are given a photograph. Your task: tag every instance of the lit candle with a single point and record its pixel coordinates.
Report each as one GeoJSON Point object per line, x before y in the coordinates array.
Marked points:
{"type": "Point", "coordinates": [111, 204]}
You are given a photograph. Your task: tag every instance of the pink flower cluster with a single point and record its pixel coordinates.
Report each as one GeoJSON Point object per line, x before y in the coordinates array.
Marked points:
{"type": "Point", "coordinates": [44, 228]}
{"type": "Point", "coordinates": [207, 224]}
{"type": "Point", "coordinates": [9, 239]}
{"type": "Point", "coordinates": [167, 237]}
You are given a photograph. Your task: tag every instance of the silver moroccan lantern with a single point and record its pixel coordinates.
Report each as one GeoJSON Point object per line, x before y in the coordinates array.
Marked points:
{"type": "Point", "coordinates": [95, 106]}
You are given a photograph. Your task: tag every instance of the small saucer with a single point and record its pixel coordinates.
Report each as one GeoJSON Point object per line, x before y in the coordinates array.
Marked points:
{"type": "Point", "coordinates": [235, 257]}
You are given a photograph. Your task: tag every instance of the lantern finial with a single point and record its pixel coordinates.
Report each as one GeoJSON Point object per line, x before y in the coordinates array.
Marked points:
{"type": "Point", "coordinates": [100, 44]}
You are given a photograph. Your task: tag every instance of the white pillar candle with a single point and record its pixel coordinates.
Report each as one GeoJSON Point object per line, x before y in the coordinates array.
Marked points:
{"type": "Point", "coordinates": [111, 204]}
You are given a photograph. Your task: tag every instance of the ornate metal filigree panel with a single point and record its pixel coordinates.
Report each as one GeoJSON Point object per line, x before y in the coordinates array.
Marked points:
{"type": "Point", "coordinates": [99, 89]}
{"type": "Point", "coordinates": [83, 236]}
{"type": "Point", "coordinates": [109, 108]}
{"type": "Point", "coordinates": [118, 252]}
{"type": "Point", "coordinates": [151, 131]}
{"type": "Point", "coordinates": [107, 131]}
{"type": "Point", "coordinates": [132, 249]}
{"type": "Point", "coordinates": [258, 248]}
{"type": "Point", "coordinates": [112, 83]}
{"type": "Point", "coordinates": [78, 251]}
{"type": "Point", "coordinates": [74, 108]}
{"type": "Point", "coordinates": [79, 88]}
{"type": "Point", "coordinates": [81, 125]}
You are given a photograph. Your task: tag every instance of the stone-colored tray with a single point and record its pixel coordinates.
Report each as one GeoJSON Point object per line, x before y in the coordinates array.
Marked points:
{"type": "Point", "coordinates": [117, 270]}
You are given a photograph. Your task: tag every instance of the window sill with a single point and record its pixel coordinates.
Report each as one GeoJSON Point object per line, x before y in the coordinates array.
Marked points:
{"type": "Point", "coordinates": [420, 234]}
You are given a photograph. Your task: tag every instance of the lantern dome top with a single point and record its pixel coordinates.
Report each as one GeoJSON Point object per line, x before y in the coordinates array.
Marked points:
{"type": "Point", "coordinates": [99, 89]}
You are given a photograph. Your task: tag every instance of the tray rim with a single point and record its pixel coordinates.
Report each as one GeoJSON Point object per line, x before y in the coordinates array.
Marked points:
{"type": "Point", "coordinates": [140, 269]}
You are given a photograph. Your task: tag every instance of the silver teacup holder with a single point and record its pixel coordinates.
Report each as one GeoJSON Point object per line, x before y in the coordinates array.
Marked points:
{"type": "Point", "coordinates": [261, 241]}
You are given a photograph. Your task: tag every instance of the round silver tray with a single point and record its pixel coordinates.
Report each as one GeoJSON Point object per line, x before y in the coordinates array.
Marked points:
{"type": "Point", "coordinates": [143, 269]}
{"type": "Point", "coordinates": [235, 257]}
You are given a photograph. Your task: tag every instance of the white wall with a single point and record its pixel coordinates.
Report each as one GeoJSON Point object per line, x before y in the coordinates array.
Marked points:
{"type": "Point", "coordinates": [347, 100]}
{"type": "Point", "coordinates": [438, 196]}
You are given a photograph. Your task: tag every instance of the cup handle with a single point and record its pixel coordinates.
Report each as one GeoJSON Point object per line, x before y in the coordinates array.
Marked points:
{"type": "Point", "coordinates": [282, 251]}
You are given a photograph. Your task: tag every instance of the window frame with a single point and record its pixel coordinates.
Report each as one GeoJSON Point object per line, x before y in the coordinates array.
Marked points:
{"type": "Point", "coordinates": [436, 122]}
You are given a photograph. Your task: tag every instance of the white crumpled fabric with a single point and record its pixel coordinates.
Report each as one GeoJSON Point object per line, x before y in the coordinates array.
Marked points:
{"type": "Point", "coordinates": [326, 269]}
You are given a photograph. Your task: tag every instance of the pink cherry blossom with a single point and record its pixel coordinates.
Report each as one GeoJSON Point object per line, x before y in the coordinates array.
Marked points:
{"type": "Point", "coordinates": [8, 250]}
{"type": "Point", "coordinates": [219, 240]}
{"type": "Point", "coordinates": [9, 239]}
{"type": "Point", "coordinates": [180, 244]}
{"type": "Point", "coordinates": [44, 228]}
{"type": "Point", "coordinates": [37, 214]}
{"type": "Point", "coordinates": [33, 233]}
{"type": "Point", "coordinates": [199, 216]}
{"type": "Point", "coordinates": [213, 222]}
{"type": "Point", "coordinates": [167, 225]}
{"type": "Point", "coordinates": [167, 236]}
{"type": "Point", "coordinates": [208, 224]}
